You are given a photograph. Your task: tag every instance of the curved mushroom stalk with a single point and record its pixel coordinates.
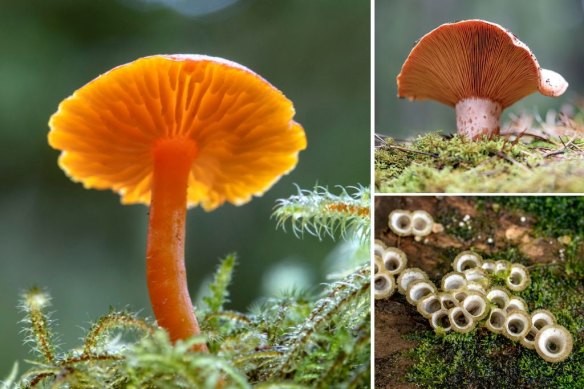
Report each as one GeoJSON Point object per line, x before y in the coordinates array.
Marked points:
{"type": "Point", "coordinates": [165, 266]}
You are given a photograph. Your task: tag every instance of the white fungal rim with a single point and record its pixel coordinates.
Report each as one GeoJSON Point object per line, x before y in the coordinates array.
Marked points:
{"type": "Point", "coordinates": [400, 222]}
{"type": "Point", "coordinates": [488, 266]}
{"type": "Point", "coordinates": [476, 287]}
{"type": "Point", "coordinates": [502, 266]}
{"type": "Point", "coordinates": [379, 247]}
{"type": "Point", "coordinates": [461, 321]}
{"type": "Point", "coordinates": [409, 275]}
{"type": "Point", "coordinates": [517, 324]}
{"type": "Point", "coordinates": [496, 320]}
{"type": "Point", "coordinates": [477, 274]}
{"type": "Point", "coordinates": [378, 266]}
{"type": "Point", "coordinates": [422, 223]}
{"type": "Point", "coordinates": [518, 278]}
{"type": "Point", "coordinates": [541, 318]}
{"type": "Point", "coordinates": [441, 321]}
{"type": "Point", "coordinates": [459, 294]}
{"type": "Point", "coordinates": [516, 303]}
{"type": "Point", "coordinates": [447, 300]}
{"type": "Point", "coordinates": [453, 280]}
{"type": "Point", "coordinates": [384, 285]}
{"type": "Point", "coordinates": [394, 260]}
{"type": "Point", "coordinates": [419, 289]}
{"type": "Point", "coordinates": [428, 305]}
{"type": "Point", "coordinates": [476, 306]}
{"type": "Point", "coordinates": [498, 296]}
{"type": "Point", "coordinates": [553, 343]}
{"type": "Point", "coordinates": [467, 260]}
{"type": "Point", "coordinates": [528, 340]}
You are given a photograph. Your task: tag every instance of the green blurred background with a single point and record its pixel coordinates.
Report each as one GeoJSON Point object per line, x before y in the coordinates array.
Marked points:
{"type": "Point", "coordinates": [87, 249]}
{"type": "Point", "coordinates": [553, 30]}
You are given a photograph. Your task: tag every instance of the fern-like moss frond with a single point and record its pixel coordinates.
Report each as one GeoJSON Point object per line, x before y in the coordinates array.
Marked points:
{"type": "Point", "coordinates": [219, 287]}
{"type": "Point", "coordinates": [320, 213]}
{"type": "Point", "coordinates": [34, 304]}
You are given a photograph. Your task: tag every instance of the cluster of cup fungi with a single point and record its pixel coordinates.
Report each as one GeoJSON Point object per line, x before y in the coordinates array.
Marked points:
{"type": "Point", "coordinates": [466, 297]}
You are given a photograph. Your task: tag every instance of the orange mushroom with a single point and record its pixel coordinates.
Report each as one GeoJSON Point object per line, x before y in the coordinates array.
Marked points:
{"type": "Point", "coordinates": [477, 67]}
{"type": "Point", "coordinates": [175, 131]}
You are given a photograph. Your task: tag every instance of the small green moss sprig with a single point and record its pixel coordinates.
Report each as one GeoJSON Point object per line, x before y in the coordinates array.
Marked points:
{"type": "Point", "coordinates": [36, 322]}
{"type": "Point", "coordinates": [320, 213]}
{"type": "Point", "coordinates": [342, 300]}
{"type": "Point", "coordinates": [219, 288]}
{"type": "Point", "coordinates": [157, 363]}
{"type": "Point", "coordinates": [94, 363]}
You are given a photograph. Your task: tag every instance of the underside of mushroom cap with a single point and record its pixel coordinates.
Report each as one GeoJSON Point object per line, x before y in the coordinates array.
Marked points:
{"type": "Point", "coordinates": [474, 59]}
{"type": "Point", "coordinates": [241, 126]}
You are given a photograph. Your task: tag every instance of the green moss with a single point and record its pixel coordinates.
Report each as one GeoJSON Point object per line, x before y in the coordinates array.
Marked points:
{"type": "Point", "coordinates": [555, 216]}
{"type": "Point", "coordinates": [482, 359]}
{"type": "Point", "coordinates": [319, 339]}
{"type": "Point", "coordinates": [558, 216]}
{"type": "Point", "coordinates": [433, 163]}
{"type": "Point", "coordinates": [464, 227]}
{"type": "Point", "coordinates": [464, 360]}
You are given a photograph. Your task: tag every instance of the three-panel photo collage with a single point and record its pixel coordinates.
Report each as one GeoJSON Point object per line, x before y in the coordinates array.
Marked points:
{"type": "Point", "coordinates": [322, 194]}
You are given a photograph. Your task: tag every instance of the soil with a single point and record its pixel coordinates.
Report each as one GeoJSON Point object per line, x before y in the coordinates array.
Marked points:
{"type": "Point", "coordinates": [485, 228]}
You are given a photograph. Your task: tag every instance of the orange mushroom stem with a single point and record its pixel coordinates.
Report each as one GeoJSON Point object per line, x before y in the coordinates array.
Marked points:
{"type": "Point", "coordinates": [165, 266]}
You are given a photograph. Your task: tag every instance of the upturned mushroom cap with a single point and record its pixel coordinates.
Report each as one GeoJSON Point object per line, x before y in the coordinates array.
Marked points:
{"type": "Point", "coordinates": [408, 276]}
{"type": "Point", "coordinates": [384, 285]}
{"type": "Point", "coordinates": [477, 67]}
{"type": "Point", "coordinates": [517, 325]}
{"type": "Point", "coordinates": [422, 223]}
{"type": "Point", "coordinates": [400, 222]}
{"type": "Point", "coordinates": [462, 322]}
{"type": "Point", "coordinates": [554, 343]}
{"type": "Point", "coordinates": [394, 261]}
{"type": "Point", "coordinates": [241, 127]}
{"type": "Point", "coordinates": [474, 59]}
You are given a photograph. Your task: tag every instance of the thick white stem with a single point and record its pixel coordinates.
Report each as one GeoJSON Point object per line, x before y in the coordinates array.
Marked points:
{"type": "Point", "coordinates": [476, 117]}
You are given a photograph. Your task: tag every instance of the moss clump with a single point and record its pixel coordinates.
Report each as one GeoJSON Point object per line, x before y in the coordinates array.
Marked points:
{"type": "Point", "coordinates": [302, 339]}
{"type": "Point", "coordinates": [434, 163]}
{"type": "Point", "coordinates": [559, 217]}
{"type": "Point", "coordinates": [465, 227]}
{"type": "Point", "coordinates": [481, 359]}
{"type": "Point", "coordinates": [555, 216]}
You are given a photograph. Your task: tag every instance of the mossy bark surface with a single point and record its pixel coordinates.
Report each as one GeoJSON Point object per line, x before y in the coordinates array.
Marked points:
{"type": "Point", "coordinates": [435, 163]}
{"type": "Point", "coordinates": [542, 233]}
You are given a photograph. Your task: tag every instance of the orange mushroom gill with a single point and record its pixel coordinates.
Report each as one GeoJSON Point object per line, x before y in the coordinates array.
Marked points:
{"type": "Point", "coordinates": [174, 131]}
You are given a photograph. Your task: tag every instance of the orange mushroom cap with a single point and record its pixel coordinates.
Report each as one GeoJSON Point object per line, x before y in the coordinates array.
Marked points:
{"type": "Point", "coordinates": [242, 128]}
{"type": "Point", "coordinates": [474, 59]}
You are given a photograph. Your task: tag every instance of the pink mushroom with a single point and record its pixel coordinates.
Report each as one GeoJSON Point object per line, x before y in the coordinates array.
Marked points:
{"type": "Point", "coordinates": [477, 67]}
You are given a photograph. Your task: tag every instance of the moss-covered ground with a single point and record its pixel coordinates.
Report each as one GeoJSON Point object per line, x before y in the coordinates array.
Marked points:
{"type": "Point", "coordinates": [518, 163]}
{"type": "Point", "coordinates": [544, 233]}
{"type": "Point", "coordinates": [300, 339]}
